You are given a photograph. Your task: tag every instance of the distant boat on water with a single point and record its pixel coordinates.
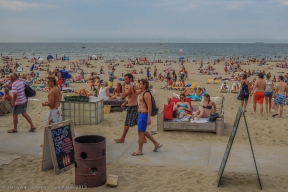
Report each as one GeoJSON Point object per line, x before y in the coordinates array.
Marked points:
{"type": "Point", "coordinates": [259, 42]}
{"type": "Point", "coordinates": [83, 47]}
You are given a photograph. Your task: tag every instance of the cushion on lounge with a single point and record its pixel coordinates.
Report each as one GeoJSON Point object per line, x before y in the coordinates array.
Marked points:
{"type": "Point", "coordinates": [218, 102]}
{"type": "Point", "coordinates": [175, 100]}
{"type": "Point", "coordinates": [168, 111]}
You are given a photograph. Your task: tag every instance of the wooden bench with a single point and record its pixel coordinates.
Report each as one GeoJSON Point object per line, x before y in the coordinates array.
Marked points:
{"type": "Point", "coordinates": [5, 107]}
{"type": "Point", "coordinates": [216, 127]}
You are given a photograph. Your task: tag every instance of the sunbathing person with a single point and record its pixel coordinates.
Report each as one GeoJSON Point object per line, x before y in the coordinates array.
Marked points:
{"type": "Point", "coordinates": [6, 96]}
{"type": "Point", "coordinates": [83, 92]}
{"type": "Point", "coordinates": [186, 92]}
{"type": "Point", "coordinates": [181, 107]}
{"type": "Point", "coordinates": [204, 110]}
{"type": "Point", "coordinates": [169, 82]}
{"type": "Point", "coordinates": [104, 92]}
{"type": "Point", "coordinates": [118, 90]}
{"type": "Point", "coordinates": [224, 86]}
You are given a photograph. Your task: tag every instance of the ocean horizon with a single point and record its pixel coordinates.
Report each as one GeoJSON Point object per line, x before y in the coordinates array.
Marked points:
{"type": "Point", "coordinates": [156, 50]}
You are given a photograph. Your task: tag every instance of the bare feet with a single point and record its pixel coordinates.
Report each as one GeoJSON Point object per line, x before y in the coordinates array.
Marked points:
{"type": "Point", "coordinates": [192, 117]}
{"type": "Point", "coordinates": [253, 113]}
{"type": "Point", "coordinates": [119, 140]}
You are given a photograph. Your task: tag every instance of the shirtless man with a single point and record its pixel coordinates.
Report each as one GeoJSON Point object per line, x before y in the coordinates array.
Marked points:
{"type": "Point", "coordinates": [144, 114]}
{"type": "Point", "coordinates": [128, 90]}
{"type": "Point", "coordinates": [155, 72]}
{"type": "Point", "coordinates": [280, 99]}
{"type": "Point", "coordinates": [258, 90]}
{"type": "Point", "coordinates": [54, 96]}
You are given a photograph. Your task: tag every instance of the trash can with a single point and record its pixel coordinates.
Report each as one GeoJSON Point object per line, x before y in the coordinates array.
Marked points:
{"type": "Point", "coordinates": [90, 161]}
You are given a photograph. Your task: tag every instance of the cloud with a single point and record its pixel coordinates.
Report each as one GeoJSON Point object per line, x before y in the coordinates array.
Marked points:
{"type": "Point", "coordinates": [180, 5]}
{"type": "Point", "coordinates": [18, 5]}
{"type": "Point", "coordinates": [235, 4]}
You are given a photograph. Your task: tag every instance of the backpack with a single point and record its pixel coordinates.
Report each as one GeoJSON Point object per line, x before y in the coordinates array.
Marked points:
{"type": "Point", "coordinates": [154, 107]}
{"type": "Point", "coordinates": [29, 92]}
{"type": "Point", "coordinates": [213, 117]}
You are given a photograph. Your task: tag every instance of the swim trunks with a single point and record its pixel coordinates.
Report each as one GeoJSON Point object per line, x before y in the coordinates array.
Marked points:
{"type": "Point", "coordinates": [60, 82]}
{"type": "Point", "coordinates": [142, 122]}
{"type": "Point", "coordinates": [132, 115]}
{"type": "Point", "coordinates": [259, 97]}
{"type": "Point", "coordinates": [279, 99]}
{"type": "Point", "coordinates": [53, 116]}
{"type": "Point", "coordinates": [268, 94]}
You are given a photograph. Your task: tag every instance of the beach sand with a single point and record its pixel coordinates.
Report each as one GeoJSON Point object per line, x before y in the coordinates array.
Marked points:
{"type": "Point", "coordinates": [264, 131]}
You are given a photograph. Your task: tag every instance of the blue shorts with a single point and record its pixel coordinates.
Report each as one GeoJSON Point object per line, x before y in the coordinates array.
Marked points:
{"type": "Point", "coordinates": [142, 122]}
{"type": "Point", "coordinates": [268, 94]}
{"type": "Point", "coordinates": [280, 99]}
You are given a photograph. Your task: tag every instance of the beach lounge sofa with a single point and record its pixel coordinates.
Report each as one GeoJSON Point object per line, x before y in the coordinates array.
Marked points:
{"type": "Point", "coordinates": [217, 81]}
{"type": "Point", "coordinates": [201, 125]}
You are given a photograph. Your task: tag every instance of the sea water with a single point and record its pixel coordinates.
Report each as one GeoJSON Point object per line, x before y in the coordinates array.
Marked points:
{"type": "Point", "coordinates": [149, 50]}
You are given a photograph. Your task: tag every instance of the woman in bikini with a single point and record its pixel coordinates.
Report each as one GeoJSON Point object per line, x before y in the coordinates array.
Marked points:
{"type": "Point", "coordinates": [204, 110]}
{"type": "Point", "coordinates": [181, 107]}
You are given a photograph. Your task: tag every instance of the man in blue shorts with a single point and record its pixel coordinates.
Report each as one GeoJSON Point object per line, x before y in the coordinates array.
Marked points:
{"type": "Point", "coordinates": [144, 114]}
{"type": "Point", "coordinates": [280, 92]}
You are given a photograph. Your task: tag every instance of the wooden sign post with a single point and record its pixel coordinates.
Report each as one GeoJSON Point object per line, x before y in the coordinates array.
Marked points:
{"type": "Point", "coordinates": [58, 149]}
{"type": "Point", "coordinates": [230, 143]}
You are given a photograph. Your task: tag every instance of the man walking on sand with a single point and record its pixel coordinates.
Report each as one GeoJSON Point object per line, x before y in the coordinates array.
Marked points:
{"type": "Point", "coordinates": [128, 90]}
{"type": "Point", "coordinates": [144, 114]}
{"type": "Point", "coordinates": [280, 92]}
{"type": "Point", "coordinates": [258, 90]}
{"type": "Point", "coordinates": [155, 72]}
{"type": "Point", "coordinates": [19, 103]}
{"type": "Point", "coordinates": [54, 97]}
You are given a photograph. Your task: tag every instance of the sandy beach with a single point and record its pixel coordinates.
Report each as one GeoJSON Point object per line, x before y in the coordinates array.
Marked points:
{"type": "Point", "coordinates": [264, 131]}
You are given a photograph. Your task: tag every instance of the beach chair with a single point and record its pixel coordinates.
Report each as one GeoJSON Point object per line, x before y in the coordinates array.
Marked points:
{"type": "Point", "coordinates": [198, 98]}
{"type": "Point", "coordinates": [209, 81]}
{"type": "Point", "coordinates": [217, 81]}
{"type": "Point", "coordinates": [225, 88]}
{"type": "Point", "coordinates": [235, 88]}
{"type": "Point", "coordinates": [194, 84]}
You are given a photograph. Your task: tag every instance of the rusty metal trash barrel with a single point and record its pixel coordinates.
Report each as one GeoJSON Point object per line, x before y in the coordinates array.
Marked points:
{"type": "Point", "coordinates": [90, 160]}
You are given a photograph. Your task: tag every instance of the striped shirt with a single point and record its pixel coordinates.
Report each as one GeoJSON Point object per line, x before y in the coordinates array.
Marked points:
{"type": "Point", "coordinates": [18, 88]}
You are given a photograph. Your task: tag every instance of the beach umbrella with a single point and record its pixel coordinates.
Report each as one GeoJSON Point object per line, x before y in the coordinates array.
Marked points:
{"type": "Point", "coordinates": [40, 59]}
{"type": "Point", "coordinates": [94, 56]}
{"type": "Point", "coordinates": [65, 74]}
{"type": "Point", "coordinates": [32, 67]}
{"type": "Point", "coordinates": [181, 58]}
{"type": "Point", "coordinates": [49, 57]}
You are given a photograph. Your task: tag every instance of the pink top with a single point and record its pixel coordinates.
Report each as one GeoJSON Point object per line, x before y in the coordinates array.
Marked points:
{"type": "Point", "coordinates": [18, 88]}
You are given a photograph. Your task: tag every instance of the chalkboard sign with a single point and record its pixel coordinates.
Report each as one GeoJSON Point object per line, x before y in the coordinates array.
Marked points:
{"type": "Point", "coordinates": [240, 113]}
{"type": "Point", "coordinates": [58, 150]}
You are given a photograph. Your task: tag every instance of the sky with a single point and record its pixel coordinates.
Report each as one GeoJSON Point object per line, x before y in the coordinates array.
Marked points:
{"type": "Point", "coordinates": [168, 21]}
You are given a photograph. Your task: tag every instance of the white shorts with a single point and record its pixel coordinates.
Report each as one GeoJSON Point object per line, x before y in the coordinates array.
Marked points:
{"type": "Point", "coordinates": [53, 116]}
